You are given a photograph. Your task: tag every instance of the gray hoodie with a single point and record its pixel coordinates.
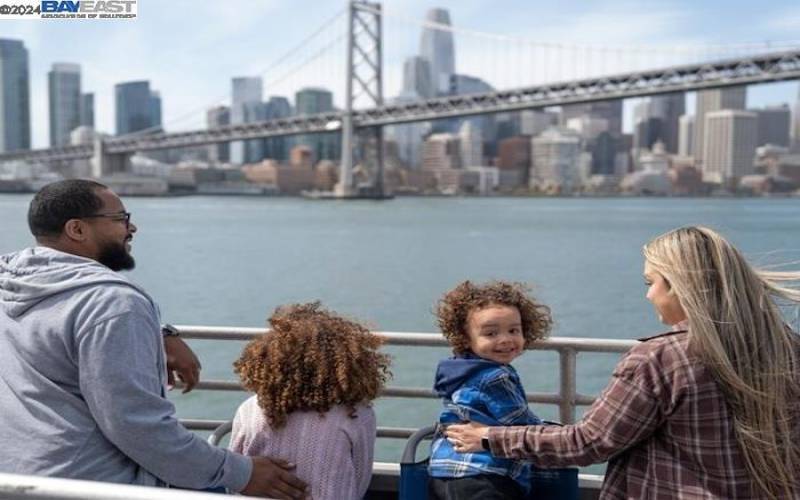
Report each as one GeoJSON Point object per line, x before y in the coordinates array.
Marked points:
{"type": "Point", "coordinates": [82, 376]}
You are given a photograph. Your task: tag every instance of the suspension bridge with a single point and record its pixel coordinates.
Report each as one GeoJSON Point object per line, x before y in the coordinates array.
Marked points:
{"type": "Point", "coordinates": [556, 75]}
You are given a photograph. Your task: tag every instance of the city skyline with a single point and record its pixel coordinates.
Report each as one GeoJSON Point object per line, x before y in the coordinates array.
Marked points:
{"type": "Point", "coordinates": [187, 83]}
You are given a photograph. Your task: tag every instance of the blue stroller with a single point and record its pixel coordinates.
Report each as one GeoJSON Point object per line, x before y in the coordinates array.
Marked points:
{"type": "Point", "coordinates": [547, 484]}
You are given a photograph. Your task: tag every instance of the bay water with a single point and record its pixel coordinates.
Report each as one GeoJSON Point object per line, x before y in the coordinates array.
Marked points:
{"type": "Point", "coordinates": [229, 261]}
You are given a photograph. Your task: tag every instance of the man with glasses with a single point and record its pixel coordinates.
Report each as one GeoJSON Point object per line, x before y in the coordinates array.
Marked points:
{"type": "Point", "coordinates": [83, 367]}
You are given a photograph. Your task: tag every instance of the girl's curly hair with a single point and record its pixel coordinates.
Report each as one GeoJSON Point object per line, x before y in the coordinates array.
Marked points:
{"type": "Point", "coordinates": [311, 360]}
{"type": "Point", "coordinates": [454, 307]}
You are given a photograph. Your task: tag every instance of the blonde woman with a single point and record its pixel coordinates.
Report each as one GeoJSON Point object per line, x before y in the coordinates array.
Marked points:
{"type": "Point", "coordinates": [708, 410]}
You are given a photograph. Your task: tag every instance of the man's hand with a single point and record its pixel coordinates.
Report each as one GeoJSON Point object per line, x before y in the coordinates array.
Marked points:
{"type": "Point", "coordinates": [271, 478]}
{"type": "Point", "coordinates": [181, 360]}
{"type": "Point", "coordinates": [466, 438]}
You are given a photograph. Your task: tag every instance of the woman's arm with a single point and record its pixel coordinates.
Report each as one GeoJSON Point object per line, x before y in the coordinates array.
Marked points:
{"type": "Point", "coordinates": [627, 411]}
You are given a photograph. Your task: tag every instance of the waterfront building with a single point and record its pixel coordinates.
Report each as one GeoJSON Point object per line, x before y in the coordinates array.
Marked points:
{"type": "Point", "coordinates": [277, 148]}
{"type": "Point", "coordinates": [686, 135]}
{"type": "Point", "coordinates": [86, 111]}
{"type": "Point", "coordinates": [774, 125]}
{"type": "Point", "coordinates": [219, 116]}
{"type": "Point", "coordinates": [417, 78]}
{"type": "Point", "coordinates": [730, 146]}
{"type": "Point", "coordinates": [514, 153]}
{"type": "Point", "coordinates": [437, 48]}
{"type": "Point", "coordinates": [133, 106]}
{"type": "Point", "coordinates": [311, 101]}
{"type": "Point", "coordinates": [15, 117]}
{"type": "Point", "coordinates": [246, 107]}
{"type": "Point", "coordinates": [604, 149]}
{"type": "Point", "coordinates": [408, 136]}
{"type": "Point", "coordinates": [441, 151]}
{"type": "Point", "coordinates": [556, 160]}
{"type": "Point", "coordinates": [64, 101]}
{"type": "Point", "coordinates": [471, 145]}
{"type": "Point", "coordinates": [708, 101]}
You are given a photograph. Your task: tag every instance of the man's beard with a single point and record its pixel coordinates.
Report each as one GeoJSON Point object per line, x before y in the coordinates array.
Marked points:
{"type": "Point", "coordinates": [116, 257]}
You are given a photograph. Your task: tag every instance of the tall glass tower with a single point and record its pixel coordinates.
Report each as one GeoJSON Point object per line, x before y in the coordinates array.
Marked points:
{"type": "Point", "coordinates": [246, 107]}
{"type": "Point", "coordinates": [15, 116]}
{"type": "Point", "coordinates": [437, 48]}
{"type": "Point", "coordinates": [64, 99]}
{"type": "Point", "coordinates": [134, 109]}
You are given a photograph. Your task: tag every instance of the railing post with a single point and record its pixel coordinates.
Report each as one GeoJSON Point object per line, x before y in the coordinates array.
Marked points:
{"type": "Point", "coordinates": [568, 390]}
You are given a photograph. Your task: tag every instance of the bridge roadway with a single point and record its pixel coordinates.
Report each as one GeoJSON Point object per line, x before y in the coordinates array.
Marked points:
{"type": "Point", "coordinates": [762, 68]}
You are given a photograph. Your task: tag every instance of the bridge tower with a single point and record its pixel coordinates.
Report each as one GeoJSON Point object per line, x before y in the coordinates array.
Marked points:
{"type": "Point", "coordinates": [364, 78]}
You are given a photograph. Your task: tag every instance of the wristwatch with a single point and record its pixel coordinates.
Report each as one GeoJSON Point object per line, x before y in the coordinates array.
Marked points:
{"type": "Point", "coordinates": [485, 443]}
{"type": "Point", "coordinates": [168, 330]}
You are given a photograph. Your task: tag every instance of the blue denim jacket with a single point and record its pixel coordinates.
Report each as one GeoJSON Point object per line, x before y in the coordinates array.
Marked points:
{"type": "Point", "coordinates": [478, 390]}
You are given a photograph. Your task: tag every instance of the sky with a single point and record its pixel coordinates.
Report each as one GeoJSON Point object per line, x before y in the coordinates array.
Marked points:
{"type": "Point", "coordinates": [190, 49]}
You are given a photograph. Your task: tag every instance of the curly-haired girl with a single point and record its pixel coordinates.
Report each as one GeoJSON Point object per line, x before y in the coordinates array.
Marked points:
{"type": "Point", "coordinates": [314, 376]}
{"type": "Point", "coordinates": [488, 326]}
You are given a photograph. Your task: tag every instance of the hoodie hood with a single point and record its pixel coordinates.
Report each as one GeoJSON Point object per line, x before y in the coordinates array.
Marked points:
{"type": "Point", "coordinates": [29, 276]}
{"type": "Point", "coordinates": [453, 372]}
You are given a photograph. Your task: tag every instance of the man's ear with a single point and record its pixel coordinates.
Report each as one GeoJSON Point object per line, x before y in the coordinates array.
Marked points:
{"type": "Point", "coordinates": [75, 229]}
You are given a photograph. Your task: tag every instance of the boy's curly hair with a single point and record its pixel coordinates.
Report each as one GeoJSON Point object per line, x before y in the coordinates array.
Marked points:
{"type": "Point", "coordinates": [311, 360]}
{"type": "Point", "coordinates": [454, 307]}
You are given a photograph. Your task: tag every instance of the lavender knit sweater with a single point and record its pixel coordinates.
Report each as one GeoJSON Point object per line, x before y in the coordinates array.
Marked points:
{"type": "Point", "coordinates": [333, 452]}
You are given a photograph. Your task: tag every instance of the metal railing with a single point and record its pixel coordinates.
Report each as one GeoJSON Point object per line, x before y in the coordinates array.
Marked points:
{"type": "Point", "coordinates": [24, 487]}
{"type": "Point", "coordinates": [567, 398]}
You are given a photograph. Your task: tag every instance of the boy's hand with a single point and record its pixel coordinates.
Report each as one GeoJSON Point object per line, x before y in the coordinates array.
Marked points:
{"type": "Point", "coordinates": [466, 438]}
{"type": "Point", "coordinates": [271, 478]}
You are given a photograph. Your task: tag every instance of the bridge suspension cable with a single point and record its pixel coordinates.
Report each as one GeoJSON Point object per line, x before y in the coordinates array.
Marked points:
{"type": "Point", "coordinates": [334, 22]}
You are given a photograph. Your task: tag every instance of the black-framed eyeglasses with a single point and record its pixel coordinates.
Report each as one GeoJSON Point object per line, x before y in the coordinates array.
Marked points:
{"type": "Point", "coordinates": [119, 216]}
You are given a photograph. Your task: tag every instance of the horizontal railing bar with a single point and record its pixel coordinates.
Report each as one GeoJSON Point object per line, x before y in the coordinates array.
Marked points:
{"type": "Point", "coordinates": [25, 487]}
{"type": "Point", "coordinates": [194, 424]}
{"type": "Point", "coordinates": [415, 339]}
{"type": "Point", "coordinates": [397, 392]}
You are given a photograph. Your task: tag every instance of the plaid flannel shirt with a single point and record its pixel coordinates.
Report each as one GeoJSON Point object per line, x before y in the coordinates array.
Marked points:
{"type": "Point", "coordinates": [494, 396]}
{"type": "Point", "coordinates": [662, 424]}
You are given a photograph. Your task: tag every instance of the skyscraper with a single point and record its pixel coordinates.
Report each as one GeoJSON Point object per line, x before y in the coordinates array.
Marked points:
{"type": "Point", "coordinates": [668, 108]}
{"type": "Point", "coordinates": [709, 101]}
{"type": "Point", "coordinates": [15, 118]}
{"type": "Point", "coordinates": [64, 100]}
{"type": "Point", "coordinates": [774, 125]}
{"type": "Point", "coordinates": [87, 110]}
{"type": "Point", "coordinates": [417, 78]}
{"type": "Point", "coordinates": [686, 135]}
{"type": "Point", "coordinates": [246, 107]}
{"type": "Point", "coordinates": [471, 145]}
{"type": "Point", "coordinates": [219, 116]}
{"type": "Point", "coordinates": [311, 101]}
{"type": "Point", "coordinates": [277, 148]}
{"type": "Point", "coordinates": [155, 109]}
{"type": "Point", "coordinates": [796, 122]}
{"type": "Point", "coordinates": [133, 106]}
{"type": "Point", "coordinates": [556, 154]}
{"type": "Point", "coordinates": [437, 48]}
{"type": "Point", "coordinates": [730, 145]}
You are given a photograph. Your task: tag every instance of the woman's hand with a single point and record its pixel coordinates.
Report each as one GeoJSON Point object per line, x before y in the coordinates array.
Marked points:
{"type": "Point", "coordinates": [466, 438]}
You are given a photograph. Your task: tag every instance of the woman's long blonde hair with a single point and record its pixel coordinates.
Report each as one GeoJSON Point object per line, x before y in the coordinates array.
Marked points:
{"type": "Point", "coordinates": [737, 329]}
